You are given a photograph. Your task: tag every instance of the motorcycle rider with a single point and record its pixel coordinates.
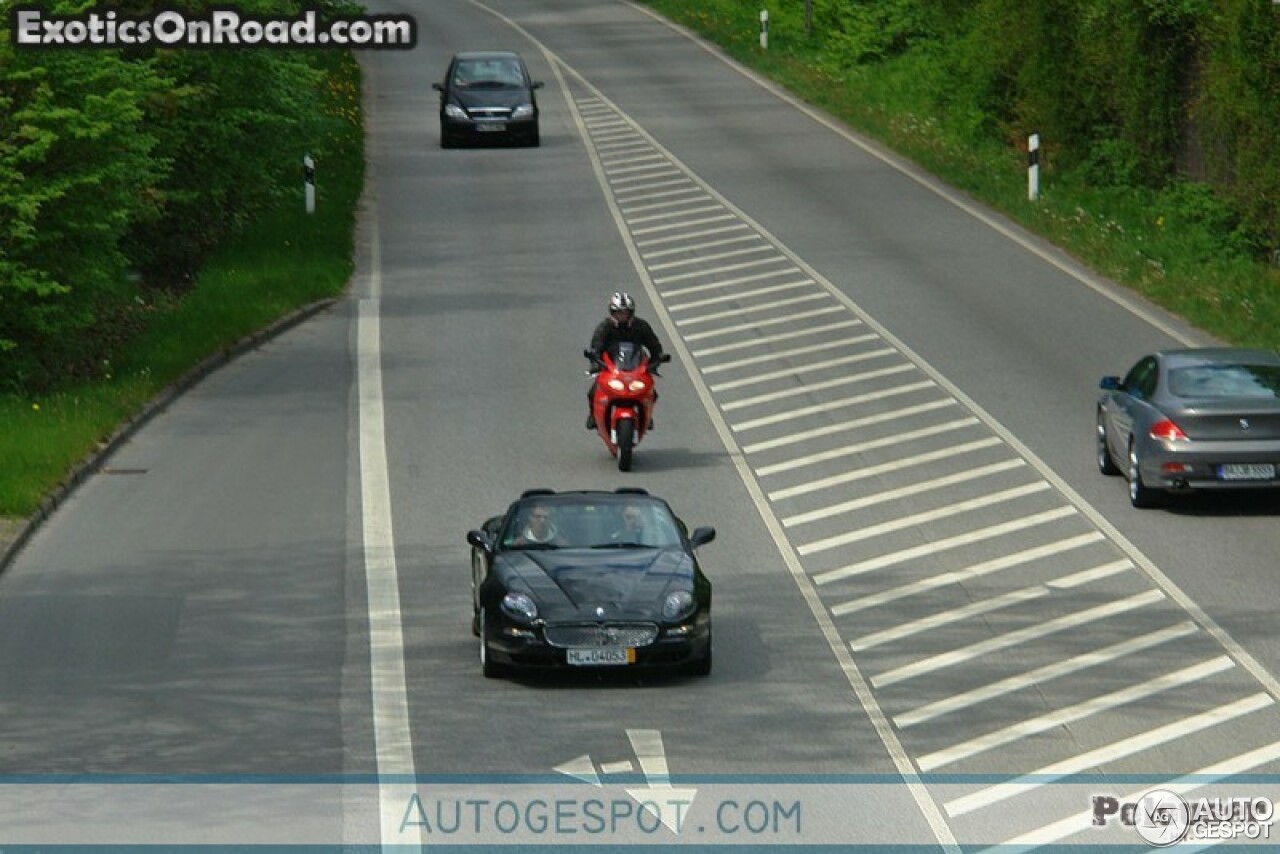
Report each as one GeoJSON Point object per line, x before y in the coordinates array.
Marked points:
{"type": "Point", "coordinates": [621, 326]}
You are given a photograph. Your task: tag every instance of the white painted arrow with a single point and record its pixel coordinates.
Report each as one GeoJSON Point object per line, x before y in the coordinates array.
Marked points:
{"type": "Point", "coordinates": [665, 803]}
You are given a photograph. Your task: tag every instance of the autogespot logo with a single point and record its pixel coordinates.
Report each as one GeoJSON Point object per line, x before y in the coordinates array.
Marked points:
{"type": "Point", "coordinates": [1163, 818]}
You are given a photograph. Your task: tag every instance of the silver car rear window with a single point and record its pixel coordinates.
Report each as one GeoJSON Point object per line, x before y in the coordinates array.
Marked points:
{"type": "Point", "coordinates": [1252, 381]}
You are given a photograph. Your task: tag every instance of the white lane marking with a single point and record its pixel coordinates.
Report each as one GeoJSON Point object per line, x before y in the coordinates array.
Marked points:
{"type": "Point", "coordinates": [846, 426]}
{"type": "Point", "coordinates": [938, 546]}
{"type": "Point", "coordinates": [932, 485]}
{"type": "Point", "coordinates": [737, 296]}
{"type": "Point", "coordinates": [884, 468]}
{"type": "Point", "coordinates": [757, 343]}
{"type": "Point", "coordinates": [1079, 711]}
{"type": "Point", "coordinates": [676, 238]}
{"type": "Point", "coordinates": [861, 448]}
{"type": "Point", "coordinates": [641, 196]}
{"type": "Point", "coordinates": [1040, 675]}
{"type": "Point", "coordinates": [392, 735]}
{"type": "Point", "coordinates": [984, 606]}
{"type": "Point", "coordinates": [929, 808]}
{"type": "Point", "coordinates": [831, 406]}
{"type": "Point", "coordinates": [848, 379]}
{"type": "Point", "coordinates": [918, 519]}
{"type": "Point", "coordinates": [709, 244]}
{"type": "Point", "coordinates": [632, 163]}
{"type": "Point", "coordinates": [670, 215]}
{"type": "Point", "coordinates": [615, 147]}
{"type": "Point", "coordinates": [716, 256]}
{"type": "Point", "coordinates": [706, 220]}
{"type": "Point", "coordinates": [796, 371]}
{"type": "Point", "coordinates": [645, 192]}
{"type": "Point", "coordinates": [624, 766]}
{"type": "Point", "coordinates": [721, 284]}
{"type": "Point", "coordinates": [761, 324]}
{"type": "Point", "coordinates": [959, 576]}
{"type": "Point", "coordinates": [651, 174]}
{"type": "Point", "coordinates": [741, 310]}
{"type": "Point", "coordinates": [1175, 731]}
{"type": "Point", "coordinates": [716, 271]}
{"type": "Point", "coordinates": [946, 618]}
{"type": "Point", "coordinates": [1014, 638]}
{"type": "Point", "coordinates": [1206, 776]}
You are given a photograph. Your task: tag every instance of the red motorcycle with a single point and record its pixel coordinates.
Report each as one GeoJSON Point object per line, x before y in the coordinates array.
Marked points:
{"type": "Point", "coordinates": [623, 398]}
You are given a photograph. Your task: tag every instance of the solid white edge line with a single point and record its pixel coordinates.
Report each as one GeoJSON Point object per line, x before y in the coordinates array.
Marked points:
{"type": "Point", "coordinates": [389, 697]}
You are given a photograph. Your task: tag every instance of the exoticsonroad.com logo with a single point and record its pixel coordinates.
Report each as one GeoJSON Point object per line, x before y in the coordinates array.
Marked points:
{"type": "Point", "coordinates": [32, 27]}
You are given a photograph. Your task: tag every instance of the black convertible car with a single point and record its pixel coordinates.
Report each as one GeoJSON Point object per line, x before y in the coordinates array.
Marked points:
{"type": "Point", "coordinates": [590, 579]}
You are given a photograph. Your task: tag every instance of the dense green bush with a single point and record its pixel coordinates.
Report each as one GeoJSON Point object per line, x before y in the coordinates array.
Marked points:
{"type": "Point", "coordinates": [120, 170]}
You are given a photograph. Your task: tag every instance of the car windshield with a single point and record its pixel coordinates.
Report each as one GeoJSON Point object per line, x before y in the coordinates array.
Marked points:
{"type": "Point", "coordinates": [607, 522]}
{"type": "Point", "coordinates": [487, 74]}
{"type": "Point", "coordinates": [1247, 381]}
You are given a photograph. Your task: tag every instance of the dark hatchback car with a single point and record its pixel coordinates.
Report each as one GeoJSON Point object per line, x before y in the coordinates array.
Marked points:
{"type": "Point", "coordinates": [590, 580]}
{"type": "Point", "coordinates": [488, 96]}
{"type": "Point", "coordinates": [1192, 419]}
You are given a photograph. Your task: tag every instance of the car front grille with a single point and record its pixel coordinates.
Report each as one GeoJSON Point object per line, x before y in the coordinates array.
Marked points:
{"type": "Point", "coordinates": [601, 634]}
{"type": "Point", "coordinates": [490, 113]}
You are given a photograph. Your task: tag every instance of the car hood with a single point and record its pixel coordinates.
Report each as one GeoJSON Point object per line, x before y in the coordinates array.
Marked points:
{"type": "Point", "coordinates": [479, 99]}
{"type": "Point", "coordinates": [599, 584]}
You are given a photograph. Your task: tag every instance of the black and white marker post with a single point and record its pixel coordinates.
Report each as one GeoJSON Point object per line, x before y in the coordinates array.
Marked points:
{"type": "Point", "coordinates": [1033, 167]}
{"type": "Point", "coordinates": [309, 182]}
{"type": "Point", "coordinates": [764, 29]}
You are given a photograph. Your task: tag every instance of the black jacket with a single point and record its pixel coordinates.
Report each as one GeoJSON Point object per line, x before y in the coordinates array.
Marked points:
{"type": "Point", "coordinates": [637, 332]}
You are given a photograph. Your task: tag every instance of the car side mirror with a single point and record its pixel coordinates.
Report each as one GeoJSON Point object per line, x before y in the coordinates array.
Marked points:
{"type": "Point", "coordinates": [439, 87]}
{"type": "Point", "coordinates": [701, 536]}
{"type": "Point", "coordinates": [537, 84]}
{"type": "Point", "coordinates": [1110, 384]}
{"type": "Point", "coordinates": [480, 540]}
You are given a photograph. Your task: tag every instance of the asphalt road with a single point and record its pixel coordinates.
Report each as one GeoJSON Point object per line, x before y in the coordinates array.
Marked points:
{"type": "Point", "coordinates": [881, 398]}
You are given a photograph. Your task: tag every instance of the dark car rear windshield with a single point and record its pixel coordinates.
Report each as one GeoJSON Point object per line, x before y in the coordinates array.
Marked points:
{"type": "Point", "coordinates": [1251, 381]}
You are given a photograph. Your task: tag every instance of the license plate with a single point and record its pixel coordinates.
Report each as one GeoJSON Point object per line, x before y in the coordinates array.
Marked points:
{"type": "Point", "coordinates": [490, 127]}
{"type": "Point", "coordinates": [602, 656]}
{"type": "Point", "coordinates": [1247, 471]}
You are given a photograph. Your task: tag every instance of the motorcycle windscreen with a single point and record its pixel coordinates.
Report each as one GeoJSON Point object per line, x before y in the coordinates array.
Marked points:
{"type": "Point", "coordinates": [627, 356]}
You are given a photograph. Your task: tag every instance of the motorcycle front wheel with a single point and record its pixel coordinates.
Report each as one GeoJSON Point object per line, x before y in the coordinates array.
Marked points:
{"type": "Point", "coordinates": [626, 443]}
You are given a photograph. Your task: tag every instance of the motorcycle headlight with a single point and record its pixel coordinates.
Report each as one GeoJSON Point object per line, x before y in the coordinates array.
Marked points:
{"type": "Point", "coordinates": [617, 385]}
{"type": "Point", "coordinates": [522, 112]}
{"type": "Point", "coordinates": [678, 605]}
{"type": "Point", "coordinates": [453, 111]}
{"type": "Point", "coordinates": [520, 606]}
{"type": "Point", "coordinates": [638, 385]}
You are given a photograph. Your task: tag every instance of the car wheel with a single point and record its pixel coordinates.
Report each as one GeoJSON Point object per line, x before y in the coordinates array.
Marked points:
{"type": "Point", "coordinates": [1106, 464]}
{"type": "Point", "coordinates": [447, 139]}
{"type": "Point", "coordinates": [1140, 495]}
{"type": "Point", "coordinates": [490, 668]}
{"type": "Point", "coordinates": [535, 139]}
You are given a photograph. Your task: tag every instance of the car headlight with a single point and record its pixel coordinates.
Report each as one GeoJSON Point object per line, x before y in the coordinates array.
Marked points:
{"type": "Point", "coordinates": [520, 606]}
{"type": "Point", "coordinates": [522, 112]}
{"type": "Point", "coordinates": [638, 385]}
{"type": "Point", "coordinates": [617, 385]}
{"type": "Point", "coordinates": [453, 111]}
{"type": "Point", "coordinates": [678, 605]}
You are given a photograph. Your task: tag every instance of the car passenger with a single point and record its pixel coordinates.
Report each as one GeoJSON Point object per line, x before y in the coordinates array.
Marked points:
{"type": "Point", "coordinates": [539, 528]}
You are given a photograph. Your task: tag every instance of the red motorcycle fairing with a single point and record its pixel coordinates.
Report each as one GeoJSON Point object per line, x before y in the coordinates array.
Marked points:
{"type": "Point", "coordinates": [622, 401]}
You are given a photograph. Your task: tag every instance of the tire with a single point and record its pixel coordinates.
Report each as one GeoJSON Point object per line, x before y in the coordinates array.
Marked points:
{"type": "Point", "coordinates": [490, 668]}
{"type": "Point", "coordinates": [1106, 464]}
{"type": "Point", "coordinates": [626, 443]}
{"type": "Point", "coordinates": [534, 139]}
{"type": "Point", "coordinates": [447, 139]}
{"type": "Point", "coordinates": [1140, 495]}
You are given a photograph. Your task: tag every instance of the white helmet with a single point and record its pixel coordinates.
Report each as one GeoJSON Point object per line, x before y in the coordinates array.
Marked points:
{"type": "Point", "coordinates": [622, 301]}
